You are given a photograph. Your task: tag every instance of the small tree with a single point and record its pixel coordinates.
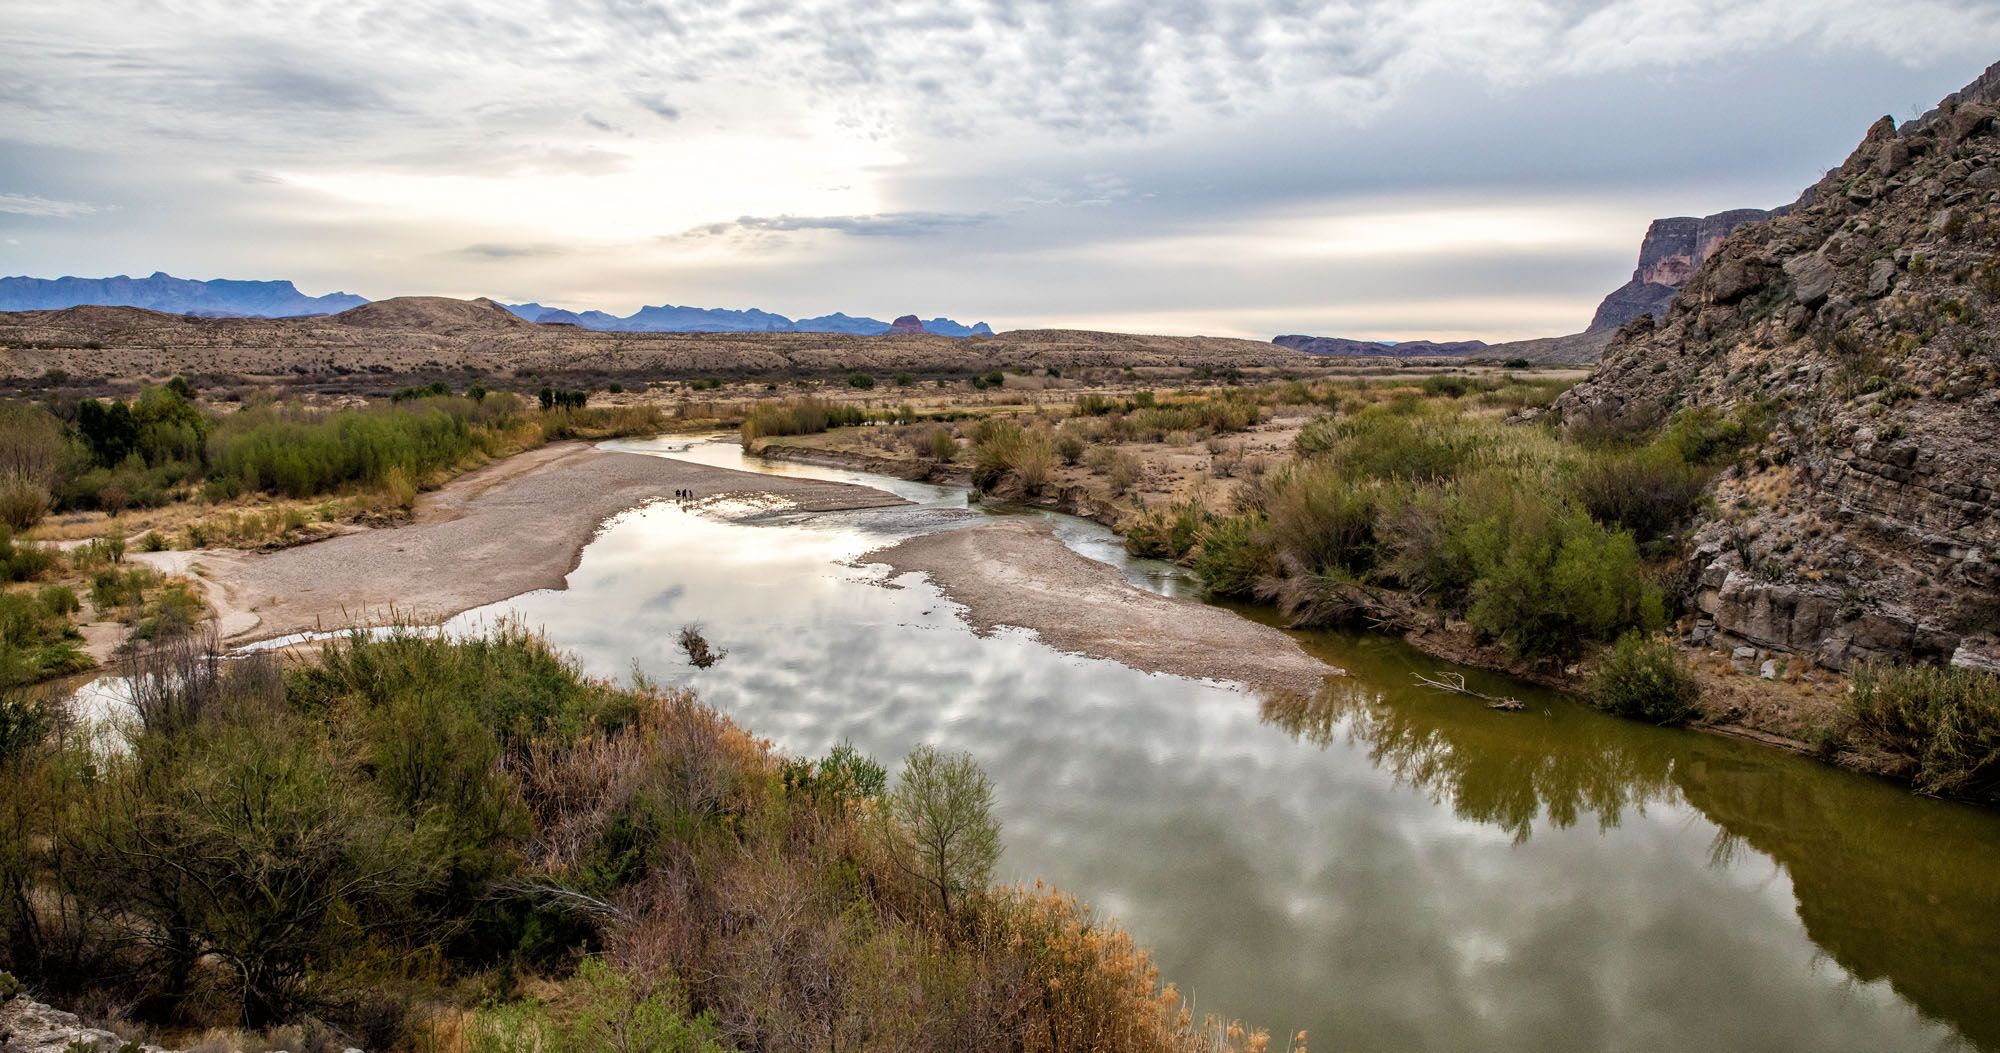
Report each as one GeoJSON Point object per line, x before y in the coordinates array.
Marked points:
{"type": "Point", "coordinates": [938, 823]}
{"type": "Point", "coordinates": [1644, 678]}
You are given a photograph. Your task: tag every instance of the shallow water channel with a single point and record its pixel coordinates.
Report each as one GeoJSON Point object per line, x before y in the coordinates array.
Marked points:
{"type": "Point", "coordinates": [1391, 868]}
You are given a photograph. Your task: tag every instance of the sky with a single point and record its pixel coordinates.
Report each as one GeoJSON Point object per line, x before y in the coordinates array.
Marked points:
{"type": "Point", "coordinates": [1382, 169]}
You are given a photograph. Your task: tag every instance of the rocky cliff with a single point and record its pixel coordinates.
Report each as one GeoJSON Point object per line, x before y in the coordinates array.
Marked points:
{"type": "Point", "coordinates": [1672, 251]}
{"type": "Point", "coordinates": [1861, 328]}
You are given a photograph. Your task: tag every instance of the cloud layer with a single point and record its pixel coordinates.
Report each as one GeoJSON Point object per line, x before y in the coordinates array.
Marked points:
{"type": "Point", "coordinates": [1156, 165]}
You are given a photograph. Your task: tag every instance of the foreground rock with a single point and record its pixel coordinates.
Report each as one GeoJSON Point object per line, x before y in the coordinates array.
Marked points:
{"type": "Point", "coordinates": [510, 528]}
{"type": "Point", "coordinates": [1014, 572]}
{"type": "Point", "coordinates": [30, 1027]}
{"type": "Point", "coordinates": [1862, 327]}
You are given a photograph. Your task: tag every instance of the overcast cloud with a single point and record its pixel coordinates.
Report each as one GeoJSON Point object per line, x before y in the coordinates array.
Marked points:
{"type": "Point", "coordinates": [1384, 168]}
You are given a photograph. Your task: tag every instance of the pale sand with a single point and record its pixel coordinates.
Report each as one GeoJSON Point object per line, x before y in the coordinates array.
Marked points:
{"type": "Point", "coordinates": [509, 528]}
{"type": "Point", "coordinates": [1015, 572]}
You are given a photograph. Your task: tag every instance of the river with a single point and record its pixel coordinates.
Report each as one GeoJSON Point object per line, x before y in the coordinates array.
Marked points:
{"type": "Point", "coordinates": [1388, 868]}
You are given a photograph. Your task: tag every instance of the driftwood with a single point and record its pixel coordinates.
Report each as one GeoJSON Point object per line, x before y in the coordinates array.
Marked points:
{"type": "Point", "coordinates": [1455, 683]}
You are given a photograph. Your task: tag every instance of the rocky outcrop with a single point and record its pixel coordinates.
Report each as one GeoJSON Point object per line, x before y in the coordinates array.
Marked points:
{"type": "Point", "coordinates": [440, 314]}
{"type": "Point", "coordinates": [1863, 329]}
{"type": "Point", "coordinates": [1672, 251]}
{"type": "Point", "coordinates": [908, 325]}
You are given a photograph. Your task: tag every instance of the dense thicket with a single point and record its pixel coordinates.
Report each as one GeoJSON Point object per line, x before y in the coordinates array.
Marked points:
{"type": "Point", "coordinates": [419, 842]}
{"type": "Point", "coordinates": [1543, 544]}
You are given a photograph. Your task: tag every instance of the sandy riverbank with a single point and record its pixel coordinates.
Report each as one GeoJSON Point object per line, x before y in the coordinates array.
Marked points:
{"type": "Point", "coordinates": [1015, 572]}
{"type": "Point", "coordinates": [512, 527]}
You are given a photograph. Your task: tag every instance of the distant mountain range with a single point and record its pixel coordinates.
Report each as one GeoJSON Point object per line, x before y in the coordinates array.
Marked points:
{"type": "Point", "coordinates": [164, 292]}
{"type": "Point", "coordinates": [227, 298]}
{"type": "Point", "coordinates": [668, 318]}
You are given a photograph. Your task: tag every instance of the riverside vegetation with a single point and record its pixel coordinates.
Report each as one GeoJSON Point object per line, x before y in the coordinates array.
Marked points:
{"type": "Point", "coordinates": [1443, 500]}
{"type": "Point", "coordinates": [419, 842]}
{"type": "Point", "coordinates": [264, 473]}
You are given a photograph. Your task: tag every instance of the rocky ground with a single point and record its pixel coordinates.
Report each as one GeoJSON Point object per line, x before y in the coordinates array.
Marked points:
{"type": "Point", "coordinates": [1862, 329]}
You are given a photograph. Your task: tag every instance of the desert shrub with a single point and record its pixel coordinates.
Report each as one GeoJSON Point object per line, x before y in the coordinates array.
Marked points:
{"type": "Point", "coordinates": [1069, 446]}
{"type": "Point", "coordinates": [23, 501]}
{"type": "Point", "coordinates": [1318, 519]}
{"type": "Point", "coordinates": [860, 380]}
{"type": "Point", "coordinates": [1651, 491]}
{"type": "Point", "coordinates": [600, 1008]}
{"type": "Point", "coordinates": [1390, 441]}
{"type": "Point", "coordinates": [1556, 581]}
{"type": "Point", "coordinates": [1234, 556]}
{"type": "Point", "coordinates": [1446, 386]}
{"type": "Point", "coordinates": [37, 638]}
{"type": "Point", "coordinates": [806, 416]}
{"type": "Point", "coordinates": [1094, 405]}
{"type": "Point", "coordinates": [1119, 467]}
{"type": "Point", "coordinates": [22, 560]}
{"type": "Point", "coordinates": [943, 446]}
{"type": "Point", "coordinates": [245, 841]}
{"type": "Point", "coordinates": [1705, 436]}
{"type": "Point", "coordinates": [1643, 677]}
{"type": "Point", "coordinates": [1943, 720]}
{"type": "Point", "coordinates": [1171, 534]}
{"type": "Point", "coordinates": [60, 599]}
{"type": "Point", "coordinates": [394, 831]}
{"type": "Point", "coordinates": [1004, 453]}
{"type": "Point", "coordinates": [34, 455]}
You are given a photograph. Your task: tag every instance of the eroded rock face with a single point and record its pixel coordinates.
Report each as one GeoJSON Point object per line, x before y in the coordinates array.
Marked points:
{"type": "Point", "coordinates": [1673, 250]}
{"type": "Point", "coordinates": [908, 324]}
{"type": "Point", "coordinates": [1864, 328]}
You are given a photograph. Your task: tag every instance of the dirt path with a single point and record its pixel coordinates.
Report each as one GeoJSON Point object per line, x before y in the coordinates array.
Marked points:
{"type": "Point", "coordinates": [509, 528]}
{"type": "Point", "coordinates": [1014, 572]}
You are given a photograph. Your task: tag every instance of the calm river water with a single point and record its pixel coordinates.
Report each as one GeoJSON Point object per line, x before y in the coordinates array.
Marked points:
{"type": "Point", "coordinates": [1391, 869]}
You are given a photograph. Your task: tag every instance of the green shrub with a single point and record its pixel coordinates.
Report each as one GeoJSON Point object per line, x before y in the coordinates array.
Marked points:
{"type": "Point", "coordinates": [22, 561]}
{"type": "Point", "coordinates": [1319, 520]}
{"type": "Point", "coordinates": [860, 380]}
{"type": "Point", "coordinates": [1644, 678]}
{"type": "Point", "coordinates": [1650, 491]}
{"type": "Point", "coordinates": [23, 501]}
{"type": "Point", "coordinates": [1170, 535]}
{"type": "Point", "coordinates": [1704, 436]}
{"type": "Point", "coordinates": [602, 1009]}
{"type": "Point", "coordinates": [1943, 720]}
{"type": "Point", "coordinates": [806, 416]}
{"type": "Point", "coordinates": [1004, 452]}
{"type": "Point", "coordinates": [943, 446]}
{"type": "Point", "coordinates": [1560, 581]}
{"type": "Point", "coordinates": [1234, 557]}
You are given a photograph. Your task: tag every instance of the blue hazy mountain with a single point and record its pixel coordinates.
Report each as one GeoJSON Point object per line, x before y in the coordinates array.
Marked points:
{"type": "Point", "coordinates": [224, 297]}
{"type": "Point", "coordinates": [160, 291]}
{"type": "Point", "coordinates": [667, 318]}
